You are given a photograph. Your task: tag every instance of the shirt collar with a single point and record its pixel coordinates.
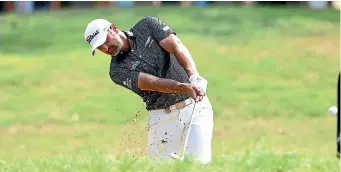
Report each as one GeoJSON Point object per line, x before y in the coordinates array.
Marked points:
{"type": "Point", "coordinates": [129, 34]}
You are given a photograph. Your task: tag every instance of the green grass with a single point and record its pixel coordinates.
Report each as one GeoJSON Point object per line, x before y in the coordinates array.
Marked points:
{"type": "Point", "coordinates": [272, 75]}
{"type": "Point", "coordinates": [255, 160]}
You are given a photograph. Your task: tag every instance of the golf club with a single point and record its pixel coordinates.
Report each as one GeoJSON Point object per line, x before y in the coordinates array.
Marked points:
{"type": "Point", "coordinates": [174, 155]}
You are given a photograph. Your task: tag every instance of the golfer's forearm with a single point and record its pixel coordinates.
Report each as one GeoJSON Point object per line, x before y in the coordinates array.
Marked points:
{"type": "Point", "coordinates": [168, 86]}
{"type": "Point", "coordinates": [185, 60]}
{"type": "Point", "coordinates": [174, 46]}
{"type": "Point", "coordinates": [148, 82]}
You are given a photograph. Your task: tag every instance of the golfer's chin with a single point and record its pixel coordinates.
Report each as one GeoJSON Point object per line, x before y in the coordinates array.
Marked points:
{"type": "Point", "coordinates": [106, 52]}
{"type": "Point", "coordinates": [114, 53]}
{"type": "Point", "coordinates": [111, 53]}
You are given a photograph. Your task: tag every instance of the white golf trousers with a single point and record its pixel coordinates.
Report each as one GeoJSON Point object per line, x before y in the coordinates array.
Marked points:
{"type": "Point", "coordinates": [167, 132]}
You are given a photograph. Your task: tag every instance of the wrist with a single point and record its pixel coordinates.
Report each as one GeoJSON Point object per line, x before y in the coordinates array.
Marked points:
{"type": "Point", "coordinates": [181, 87]}
{"type": "Point", "coordinates": [193, 78]}
{"type": "Point", "coordinates": [191, 72]}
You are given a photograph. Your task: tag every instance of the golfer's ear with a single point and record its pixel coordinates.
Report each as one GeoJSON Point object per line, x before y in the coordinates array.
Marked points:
{"type": "Point", "coordinates": [113, 27]}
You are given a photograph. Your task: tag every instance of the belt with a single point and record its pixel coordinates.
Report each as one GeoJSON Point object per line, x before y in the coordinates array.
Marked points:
{"type": "Point", "coordinates": [179, 105]}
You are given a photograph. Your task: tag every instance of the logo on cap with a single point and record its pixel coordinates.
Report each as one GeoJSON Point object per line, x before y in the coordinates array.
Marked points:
{"type": "Point", "coordinates": [92, 36]}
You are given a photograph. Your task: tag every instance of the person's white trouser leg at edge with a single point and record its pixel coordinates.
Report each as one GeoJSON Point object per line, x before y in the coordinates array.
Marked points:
{"type": "Point", "coordinates": [167, 132]}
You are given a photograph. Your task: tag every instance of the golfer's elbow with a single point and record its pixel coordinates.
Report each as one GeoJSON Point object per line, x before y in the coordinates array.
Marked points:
{"type": "Point", "coordinates": [113, 78]}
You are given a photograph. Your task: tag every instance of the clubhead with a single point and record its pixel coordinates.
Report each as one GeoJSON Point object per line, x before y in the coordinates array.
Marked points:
{"type": "Point", "coordinates": [174, 156]}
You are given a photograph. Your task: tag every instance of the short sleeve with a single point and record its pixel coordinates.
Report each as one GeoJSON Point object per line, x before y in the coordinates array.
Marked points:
{"type": "Point", "coordinates": [125, 77]}
{"type": "Point", "coordinates": [158, 28]}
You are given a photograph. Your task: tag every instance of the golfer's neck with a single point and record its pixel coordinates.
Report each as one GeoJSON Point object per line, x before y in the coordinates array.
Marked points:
{"type": "Point", "coordinates": [126, 44]}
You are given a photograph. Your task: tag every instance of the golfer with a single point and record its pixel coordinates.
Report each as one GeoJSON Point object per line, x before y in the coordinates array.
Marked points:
{"type": "Point", "coordinates": [150, 60]}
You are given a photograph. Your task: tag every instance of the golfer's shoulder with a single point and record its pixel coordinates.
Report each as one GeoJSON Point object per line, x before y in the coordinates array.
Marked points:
{"type": "Point", "coordinates": [147, 21]}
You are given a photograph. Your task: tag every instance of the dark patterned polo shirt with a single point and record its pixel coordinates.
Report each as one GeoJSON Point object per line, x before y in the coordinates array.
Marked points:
{"type": "Point", "coordinates": [147, 56]}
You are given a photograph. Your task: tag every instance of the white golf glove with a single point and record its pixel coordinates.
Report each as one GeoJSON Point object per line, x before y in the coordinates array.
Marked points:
{"type": "Point", "coordinates": [199, 81]}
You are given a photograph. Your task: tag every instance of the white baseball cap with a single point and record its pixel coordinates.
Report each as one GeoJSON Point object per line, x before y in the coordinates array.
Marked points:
{"type": "Point", "coordinates": [96, 33]}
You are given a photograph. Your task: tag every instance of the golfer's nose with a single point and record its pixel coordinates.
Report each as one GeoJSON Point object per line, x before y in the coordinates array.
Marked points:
{"type": "Point", "coordinates": [106, 47]}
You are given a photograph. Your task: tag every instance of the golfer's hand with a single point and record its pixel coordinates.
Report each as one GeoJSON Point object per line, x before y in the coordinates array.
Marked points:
{"type": "Point", "coordinates": [193, 91]}
{"type": "Point", "coordinates": [199, 81]}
